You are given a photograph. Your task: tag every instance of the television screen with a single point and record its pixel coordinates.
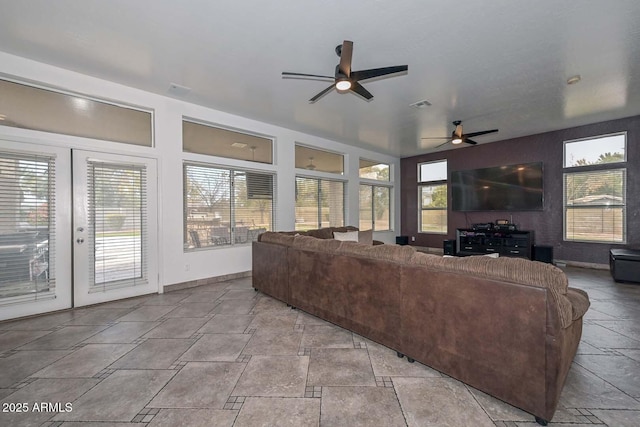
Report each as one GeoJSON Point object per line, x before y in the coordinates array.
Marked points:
{"type": "Point", "coordinates": [501, 188]}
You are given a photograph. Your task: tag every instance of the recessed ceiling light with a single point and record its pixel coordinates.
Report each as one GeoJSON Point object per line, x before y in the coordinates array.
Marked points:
{"type": "Point", "coordinates": [574, 79]}
{"type": "Point", "coordinates": [420, 104]}
{"type": "Point", "coordinates": [239, 145]}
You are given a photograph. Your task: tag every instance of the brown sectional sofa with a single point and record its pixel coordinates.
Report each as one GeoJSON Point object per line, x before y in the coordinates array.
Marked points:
{"type": "Point", "coordinates": [507, 326]}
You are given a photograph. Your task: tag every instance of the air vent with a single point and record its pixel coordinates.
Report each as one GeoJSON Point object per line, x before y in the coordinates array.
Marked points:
{"type": "Point", "coordinates": [420, 104]}
{"type": "Point", "coordinates": [178, 90]}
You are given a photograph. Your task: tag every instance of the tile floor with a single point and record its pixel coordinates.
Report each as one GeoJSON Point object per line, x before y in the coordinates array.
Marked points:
{"type": "Point", "coordinates": [224, 355]}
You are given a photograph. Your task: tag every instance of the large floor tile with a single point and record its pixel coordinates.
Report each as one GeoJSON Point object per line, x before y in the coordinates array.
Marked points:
{"type": "Point", "coordinates": [245, 294]}
{"type": "Point", "coordinates": [171, 298]}
{"type": "Point", "coordinates": [583, 389]}
{"type": "Point", "coordinates": [86, 361]}
{"type": "Point", "coordinates": [40, 323]}
{"type": "Point", "coordinates": [620, 371]}
{"type": "Point", "coordinates": [438, 402]}
{"type": "Point", "coordinates": [119, 397]}
{"type": "Point", "coordinates": [122, 332]}
{"type": "Point", "coordinates": [360, 407]}
{"type": "Point", "coordinates": [267, 342]}
{"type": "Point", "coordinates": [268, 411]}
{"type": "Point", "coordinates": [202, 296]}
{"type": "Point", "coordinates": [22, 364]}
{"type": "Point", "coordinates": [177, 328]}
{"type": "Point", "coordinates": [601, 337]}
{"type": "Point", "coordinates": [194, 418]}
{"type": "Point", "coordinates": [63, 338]}
{"type": "Point", "coordinates": [266, 304]}
{"type": "Point", "coordinates": [281, 321]}
{"type": "Point", "coordinates": [618, 417]}
{"type": "Point", "coordinates": [340, 367]}
{"type": "Point", "coordinates": [192, 309]}
{"type": "Point", "coordinates": [13, 339]}
{"type": "Point", "coordinates": [234, 306]}
{"type": "Point", "coordinates": [200, 385]}
{"type": "Point", "coordinates": [147, 313]}
{"type": "Point", "coordinates": [154, 354]}
{"type": "Point", "coordinates": [99, 316]}
{"type": "Point", "coordinates": [274, 376]}
{"type": "Point", "coordinates": [386, 363]}
{"type": "Point", "coordinates": [63, 391]}
{"type": "Point", "coordinates": [326, 336]}
{"type": "Point", "coordinates": [227, 324]}
{"type": "Point", "coordinates": [217, 348]}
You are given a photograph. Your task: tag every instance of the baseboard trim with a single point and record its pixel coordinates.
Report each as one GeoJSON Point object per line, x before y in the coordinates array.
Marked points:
{"type": "Point", "coordinates": [592, 265]}
{"type": "Point", "coordinates": [206, 281]}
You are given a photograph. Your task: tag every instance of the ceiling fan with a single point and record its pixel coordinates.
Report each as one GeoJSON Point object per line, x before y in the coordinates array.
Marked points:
{"type": "Point", "coordinates": [346, 80]}
{"type": "Point", "coordinates": [458, 136]}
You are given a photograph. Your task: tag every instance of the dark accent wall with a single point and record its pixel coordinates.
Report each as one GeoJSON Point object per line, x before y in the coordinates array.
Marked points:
{"type": "Point", "coordinates": [547, 224]}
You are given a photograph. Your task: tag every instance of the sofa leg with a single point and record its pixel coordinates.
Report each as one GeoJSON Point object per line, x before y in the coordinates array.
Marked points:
{"type": "Point", "coordinates": [400, 355]}
{"type": "Point", "coordinates": [410, 360]}
{"type": "Point", "coordinates": [541, 421]}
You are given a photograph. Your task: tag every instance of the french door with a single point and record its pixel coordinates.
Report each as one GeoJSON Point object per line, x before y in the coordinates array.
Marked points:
{"type": "Point", "coordinates": [76, 228]}
{"type": "Point", "coordinates": [114, 227]}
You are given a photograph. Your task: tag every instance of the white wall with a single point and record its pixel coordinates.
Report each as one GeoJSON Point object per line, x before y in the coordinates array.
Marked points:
{"type": "Point", "coordinates": [175, 265]}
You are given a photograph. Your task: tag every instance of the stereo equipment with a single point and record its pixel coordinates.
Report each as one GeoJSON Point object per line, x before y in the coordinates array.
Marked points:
{"type": "Point", "coordinates": [505, 227]}
{"type": "Point", "coordinates": [449, 247]}
{"type": "Point", "coordinates": [483, 226]}
{"type": "Point", "coordinates": [402, 240]}
{"type": "Point", "coordinates": [543, 253]}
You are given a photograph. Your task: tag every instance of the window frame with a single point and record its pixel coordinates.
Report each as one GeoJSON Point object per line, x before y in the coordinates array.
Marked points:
{"type": "Point", "coordinates": [594, 168]}
{"type": "Point", "coordinates": [373, 188]}
{"type": "Point", "coordinates": [319, 181]}
{"type": "Point", "coordinates": [433, 183]}
{"type": "Point", "coordinates": [232, 171]}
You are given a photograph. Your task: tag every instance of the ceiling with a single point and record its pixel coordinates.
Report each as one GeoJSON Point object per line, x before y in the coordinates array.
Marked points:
{"type": "Point", "coordinates": [500, 64]}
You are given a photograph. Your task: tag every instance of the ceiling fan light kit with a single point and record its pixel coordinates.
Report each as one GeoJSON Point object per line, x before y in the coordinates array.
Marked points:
{"type": "Point", "coordinates": [345, 80]}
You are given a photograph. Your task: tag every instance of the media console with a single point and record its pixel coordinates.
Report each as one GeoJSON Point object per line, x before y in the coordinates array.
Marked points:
{"type": "Point", "coordinates": [506, 243]}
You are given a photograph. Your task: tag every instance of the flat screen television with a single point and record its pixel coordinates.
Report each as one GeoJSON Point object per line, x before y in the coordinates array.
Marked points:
{"type": "Point", "coordinates": [502, 188]}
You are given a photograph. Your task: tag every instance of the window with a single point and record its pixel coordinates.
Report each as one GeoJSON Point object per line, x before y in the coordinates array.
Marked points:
{"type": "Point", "coordinates": [432, 193]}
{"type": "Point", "coordinates": [226, 206]}
{"type": "Point", "coordinates": [319, 203]}
{"type": "Point", "coordinates": [374, 207]}
{"type": "Point", "coordinates": [319, 160]}
{"type": "Point", "coordinates": [370, 169]}
{"type": "Point", "coordinates": [595, 189]}
{"type": "Point", "coordinates": [27, 227]}
{"type": "Point", "coordinates": [45, 110]}
{"type": "Point", "coordinates": [203, 139]}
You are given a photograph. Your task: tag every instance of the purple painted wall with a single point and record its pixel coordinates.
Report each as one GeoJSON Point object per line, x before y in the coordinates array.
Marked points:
{"type": "Point", "coordinates": [547, 224]}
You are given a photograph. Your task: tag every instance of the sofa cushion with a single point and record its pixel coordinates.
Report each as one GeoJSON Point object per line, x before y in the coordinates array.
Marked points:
{"type": "Point", "coordinates": [365, 237]}
{"type": "Point", "coordinates": [277, 238]}
{"type": "Point", "coordinates": [579, 302]}
{"type": "Point", "coordinates": [347, 236]}
{"type": "Point", "coordinates": [395, 253]}
{"type": "Point", "coordinates": [515, 270]}
{"type": "Point", "coordinates": [314, 244]}
{"type": "Point", "coordinates": [327, 232]}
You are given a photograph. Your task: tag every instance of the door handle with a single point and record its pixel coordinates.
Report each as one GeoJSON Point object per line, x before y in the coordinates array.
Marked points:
{"type": "Point", "coordinates": [80, 240]}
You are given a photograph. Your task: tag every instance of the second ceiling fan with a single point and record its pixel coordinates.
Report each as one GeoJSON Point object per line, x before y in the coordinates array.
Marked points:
{"type": "Point", "coordinates": [345, 80]}
{"type": "Point", "coordinates": [458, 136]}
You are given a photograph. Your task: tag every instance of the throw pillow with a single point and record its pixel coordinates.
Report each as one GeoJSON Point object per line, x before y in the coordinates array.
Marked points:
{"type": "Point", "coordinates": [365, 237]}
{"type": "Point", "coordinates": [347, 236]}
{"type": "Point", "coordinates": [493, 255]}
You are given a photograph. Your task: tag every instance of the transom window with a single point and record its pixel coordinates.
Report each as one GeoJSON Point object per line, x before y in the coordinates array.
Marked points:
{"type": "Point", "coordinates": [595, 189]}
{"type": "Point", "coordinates": [319, 160]}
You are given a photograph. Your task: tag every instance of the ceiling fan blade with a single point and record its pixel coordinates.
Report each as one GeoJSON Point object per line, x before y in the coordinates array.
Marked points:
{"type": "Point", "coordinates": [345, 57]}
{"type": "Point", "coordinates": [484, 132]}
{"type": "Point", "coordinates": [360, 90]}
{"type": "Point", "coordinates": [469, 141]}
{"type": "Point", "coordinates": [321, 94]}
{"type": "Point", "coordinates": [444, 143]}
{"type": "Point", "coordinates": [377, 72]}
{"type": "Point", "coordinates": [286, 74]}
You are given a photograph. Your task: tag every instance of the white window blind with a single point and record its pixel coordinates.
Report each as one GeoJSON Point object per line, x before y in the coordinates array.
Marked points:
{"type": "Point", "coordinates": [374, 207]}
{"type": "Point", "coordinates": [117, 213]}
{"type": "Point", "coordinates": [595, 205]}
{"type": "Point", "coordinates": [226, 206]}
{"type": "Point", "coordinates": [319, 203]}
{"type": "Point", "coordinates": [27, 227]}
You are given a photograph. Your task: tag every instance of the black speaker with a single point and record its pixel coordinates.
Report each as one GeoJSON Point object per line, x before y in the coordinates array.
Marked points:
{"type": "Point", "coordinates": [402, 240]}
{"type": "Point", "coordinates": [543, 254]}
{"type": "Point", "coordinates": [449, 247]}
